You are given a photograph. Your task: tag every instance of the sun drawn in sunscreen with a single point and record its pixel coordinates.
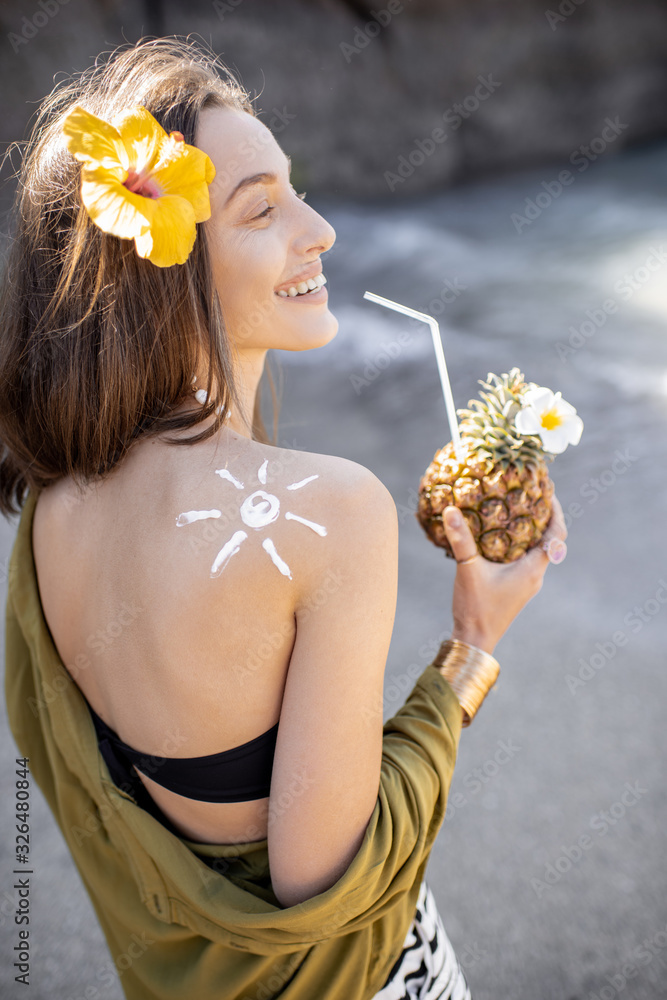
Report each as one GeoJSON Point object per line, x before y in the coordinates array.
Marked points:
{"type": "Point", "coordinates": [258, 510]}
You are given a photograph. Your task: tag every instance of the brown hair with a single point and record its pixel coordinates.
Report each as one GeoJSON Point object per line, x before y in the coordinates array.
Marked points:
{"type": "Point", "coordinates": [97, 345]}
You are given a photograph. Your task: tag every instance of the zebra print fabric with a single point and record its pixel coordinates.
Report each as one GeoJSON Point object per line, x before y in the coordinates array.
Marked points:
{"type": "Point", "coordinates": [427, 968]}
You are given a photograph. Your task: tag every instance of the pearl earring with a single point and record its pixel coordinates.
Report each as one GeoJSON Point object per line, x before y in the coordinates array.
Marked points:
{"type": "Point", "coordinates": [202, 397]}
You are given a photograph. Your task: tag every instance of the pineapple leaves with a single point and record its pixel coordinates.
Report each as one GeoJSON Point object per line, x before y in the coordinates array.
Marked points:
{"type": "Point", "coordinates": [488, 423]}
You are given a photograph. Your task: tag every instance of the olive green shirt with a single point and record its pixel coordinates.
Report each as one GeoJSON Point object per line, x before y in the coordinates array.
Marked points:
{"type": "Point", "coordinates": [177, 927]}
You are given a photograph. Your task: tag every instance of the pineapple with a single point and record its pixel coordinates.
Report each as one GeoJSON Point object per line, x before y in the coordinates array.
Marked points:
{"type": "Point", "coordinates": [502, 486]}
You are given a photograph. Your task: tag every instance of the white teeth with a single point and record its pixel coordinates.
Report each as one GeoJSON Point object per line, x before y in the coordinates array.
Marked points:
{"type": "Point", "coordinates": [311, 285]}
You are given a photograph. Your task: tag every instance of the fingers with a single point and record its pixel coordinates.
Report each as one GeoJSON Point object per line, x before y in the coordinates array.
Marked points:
{"type": "Point", "coordinates": [556, 527]}
{"type": "Point", "coordinates": [464, 547]}
{"type": "Point", "coordinates": [556, 531]}
{"type": "Point", "coordinates": [459, 535]}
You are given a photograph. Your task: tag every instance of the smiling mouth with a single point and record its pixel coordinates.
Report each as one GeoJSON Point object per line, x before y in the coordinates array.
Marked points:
{"type": "Point", "coordinates": [304, 288]}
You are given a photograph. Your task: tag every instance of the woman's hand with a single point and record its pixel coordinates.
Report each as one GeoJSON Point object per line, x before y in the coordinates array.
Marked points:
{"type": "Point", "coordinates": [488, 595]}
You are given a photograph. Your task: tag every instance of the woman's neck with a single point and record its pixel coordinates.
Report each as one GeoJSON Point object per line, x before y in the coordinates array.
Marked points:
{"type": "Point", "coordinates": [249, 367]}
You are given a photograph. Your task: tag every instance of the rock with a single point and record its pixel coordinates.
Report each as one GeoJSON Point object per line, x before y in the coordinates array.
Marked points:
{"type": "Point", "coordinates": [396, 97]}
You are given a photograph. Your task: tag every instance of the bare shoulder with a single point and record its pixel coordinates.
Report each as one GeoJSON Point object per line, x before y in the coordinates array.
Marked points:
{"type": "Point", "coordinates": [340, 479]}
{"type": "Point", "coordinates": [348, 493]}
{"type": "Point", "coordinates": [337, 514]}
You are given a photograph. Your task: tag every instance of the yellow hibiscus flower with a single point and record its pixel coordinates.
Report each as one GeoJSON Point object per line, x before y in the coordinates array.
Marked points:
{"type": "Point", "coordinates": [139, 183]}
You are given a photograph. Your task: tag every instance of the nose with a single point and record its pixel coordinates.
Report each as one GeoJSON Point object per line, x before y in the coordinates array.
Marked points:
{"type": "Point", "coordinates": [319, 234]}
{"type": "Point", "coordinates": [331, 234]}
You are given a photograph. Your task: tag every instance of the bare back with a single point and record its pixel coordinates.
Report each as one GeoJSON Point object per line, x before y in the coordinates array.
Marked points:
{"type": "Point", "coordinates": [180, 662]}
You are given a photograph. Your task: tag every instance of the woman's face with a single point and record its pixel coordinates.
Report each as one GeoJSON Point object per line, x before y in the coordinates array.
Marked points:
{"type": "Point", "coordinates": [262, 237]}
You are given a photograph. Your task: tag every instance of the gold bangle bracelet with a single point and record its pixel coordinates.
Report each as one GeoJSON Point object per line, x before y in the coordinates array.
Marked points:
{"type": "Point", "coordinates": [470, 671]}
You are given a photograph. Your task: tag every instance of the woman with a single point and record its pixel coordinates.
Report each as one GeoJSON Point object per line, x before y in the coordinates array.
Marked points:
{"type": "Point", "coordinates": [181, 588]}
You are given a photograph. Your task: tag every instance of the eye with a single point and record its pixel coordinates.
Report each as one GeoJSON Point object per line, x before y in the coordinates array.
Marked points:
{"type": "Point", "coordinates": [266, 211]}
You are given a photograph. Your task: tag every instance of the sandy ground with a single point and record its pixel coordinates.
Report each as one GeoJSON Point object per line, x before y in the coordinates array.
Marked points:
{"type": "Point", "coordinates": [548, 761]}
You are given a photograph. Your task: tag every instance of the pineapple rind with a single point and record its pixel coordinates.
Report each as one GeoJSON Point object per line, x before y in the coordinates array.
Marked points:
{"type": "Point", "coordinates": [492, 448]}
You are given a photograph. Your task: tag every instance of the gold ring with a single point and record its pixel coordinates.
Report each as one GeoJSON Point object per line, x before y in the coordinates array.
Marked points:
{"type": "Point", "coordinates": [462, 562]}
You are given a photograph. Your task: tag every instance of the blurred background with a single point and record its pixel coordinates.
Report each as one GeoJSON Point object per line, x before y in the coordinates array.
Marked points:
{"type": "Point", "coordinates": [502, 167]}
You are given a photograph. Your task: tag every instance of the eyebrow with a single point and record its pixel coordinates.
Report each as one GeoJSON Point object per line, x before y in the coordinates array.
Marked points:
{"type": "Point", "coordinates": [262, 178]}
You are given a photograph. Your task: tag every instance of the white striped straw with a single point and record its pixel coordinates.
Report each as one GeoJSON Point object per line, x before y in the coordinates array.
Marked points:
{"type": "Point", "coordinates": [440, 358]}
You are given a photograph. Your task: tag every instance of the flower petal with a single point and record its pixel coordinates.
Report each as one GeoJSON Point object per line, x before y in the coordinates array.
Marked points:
{"type": "Point", "coordinates": [527, 421]}
{"type": "Point", "coordinates": [171, 233]}
{"type": "Point", "coordinates": [540, 397]}
{"type": "Point", "coordinates": [111, 206]}
{"type": "Point", "coordinates": [556, 440]}
{"type": "Point", "coordinates": [141, 135]}
{"type": "Point", "coordinates": [186, 171]}
{"type": "Point", "coordinates": [574, 427]}
{"type": "Point", "coordinates": [169, 179]}
{"type": "Point", "coordinates": [92, 140]}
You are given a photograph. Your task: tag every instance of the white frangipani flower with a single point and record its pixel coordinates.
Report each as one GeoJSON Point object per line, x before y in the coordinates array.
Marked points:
{"type": "Point", "coordinates": [548, 415]}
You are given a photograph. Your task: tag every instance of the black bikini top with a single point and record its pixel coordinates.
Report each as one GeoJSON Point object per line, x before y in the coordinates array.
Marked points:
{"type": "Point", "coordinates": [234, 775]}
